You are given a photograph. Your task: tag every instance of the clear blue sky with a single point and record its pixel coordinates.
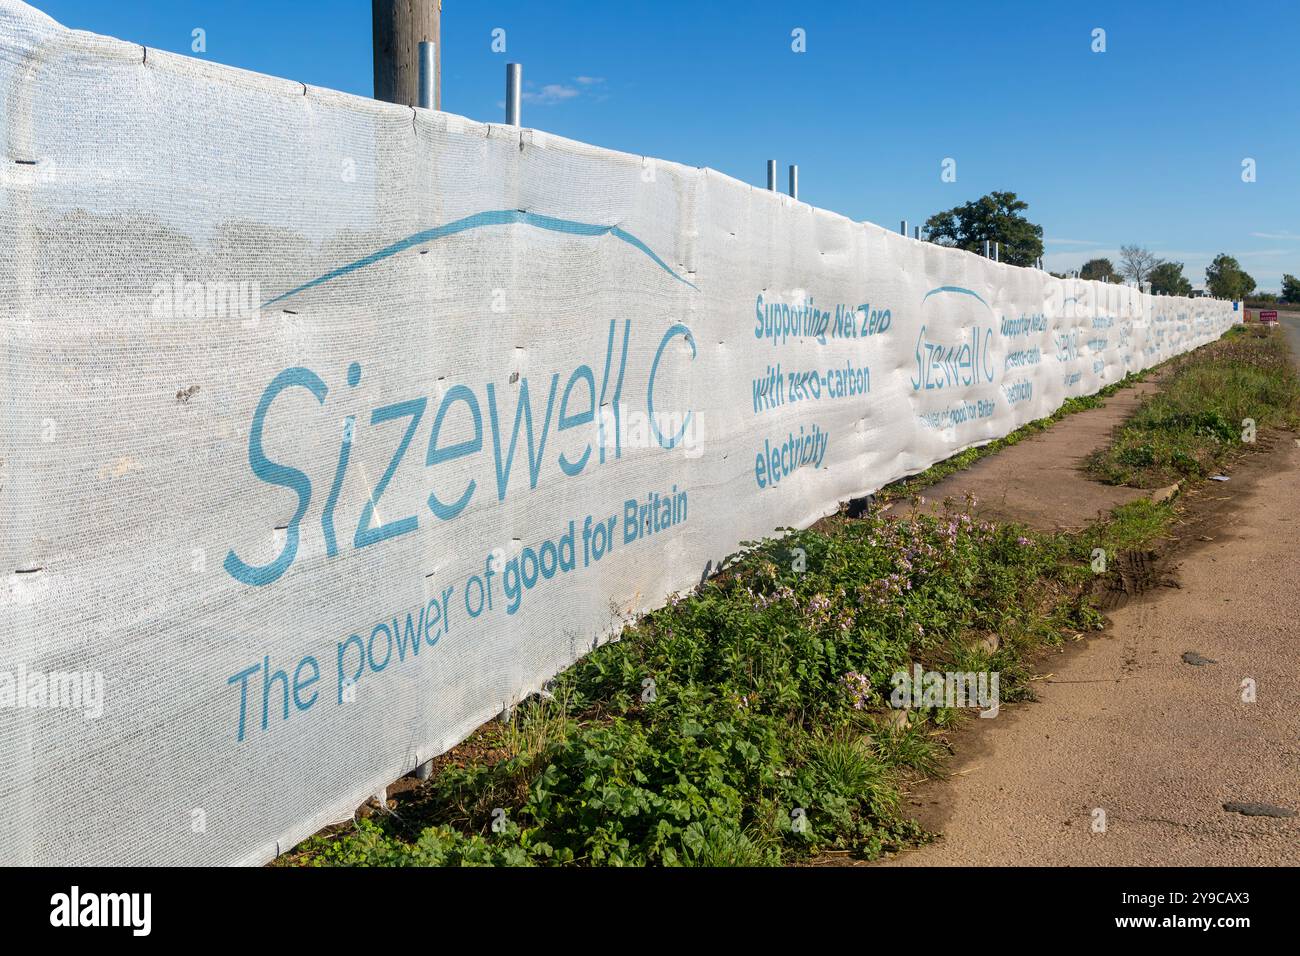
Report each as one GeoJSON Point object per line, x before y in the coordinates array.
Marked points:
{"type": "Point", "coordinates": [1140, 144]}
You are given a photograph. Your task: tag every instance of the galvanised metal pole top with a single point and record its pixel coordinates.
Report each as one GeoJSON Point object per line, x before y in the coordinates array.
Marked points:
{"type": "Point", "coordinates": [427, 90]}
{"type": "Point", "coordinates": [794, 181]}
{"type": "Point", "coordinates": [514, 92]}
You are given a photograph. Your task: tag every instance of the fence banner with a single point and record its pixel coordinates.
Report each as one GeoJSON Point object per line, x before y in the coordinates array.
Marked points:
{"type": "Point", "coordinates": [333, 427]}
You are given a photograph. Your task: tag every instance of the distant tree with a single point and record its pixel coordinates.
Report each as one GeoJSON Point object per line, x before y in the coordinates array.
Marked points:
{"type": "Point", "coordinates": [1136, 263]}
{"type": "Point", "coordinates": [1225, 278]}
{"type": "Point", "coordinates": [1102, 270]}
{"type": "Point", "coordinates": [1168, 279]}
{"type": "Point", "coordinates": [995, 217]}
{"type": "Point", "coordinates": [1290, 289]}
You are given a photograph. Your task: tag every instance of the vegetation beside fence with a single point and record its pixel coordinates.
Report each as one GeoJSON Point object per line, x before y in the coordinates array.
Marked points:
{"type": "Point", "coordinates": [716, 724]}
{"type": "Point", "coordinates": [1211, 402]}
{"type": "Point", "coordinates": [748, 722]}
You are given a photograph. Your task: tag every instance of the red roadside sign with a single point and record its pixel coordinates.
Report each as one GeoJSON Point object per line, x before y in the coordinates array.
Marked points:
{"type": "Point", "coordinates": [1270, 316]}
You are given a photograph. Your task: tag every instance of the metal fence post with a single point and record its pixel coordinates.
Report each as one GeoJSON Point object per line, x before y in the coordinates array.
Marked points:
{"type": "Point", "coordinates": [427, 90]}
{"type": "Point", "coordinates": [514, 92]}
{"type": "Point", "coordinates": [794, 181]}
{"type": "Point", "coordinates": [771, 175]}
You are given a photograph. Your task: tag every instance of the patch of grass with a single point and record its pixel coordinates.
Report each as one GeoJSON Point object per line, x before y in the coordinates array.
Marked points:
{"type": "Point", "coordinates": [914, 746]}
{"type": "Point", "coordinates": [1187, 430]}
{"type": "Point", "coordinates": [1130, 526]}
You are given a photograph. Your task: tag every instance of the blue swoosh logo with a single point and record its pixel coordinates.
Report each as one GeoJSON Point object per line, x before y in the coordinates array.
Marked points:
{"type": "Point", "coordinates": [960, 291]}
{"type": "Point", "coordinates": [498, 217]}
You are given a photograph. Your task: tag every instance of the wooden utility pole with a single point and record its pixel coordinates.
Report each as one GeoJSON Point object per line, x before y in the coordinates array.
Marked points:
{"type": "Point", "coordinates": [398, 28]}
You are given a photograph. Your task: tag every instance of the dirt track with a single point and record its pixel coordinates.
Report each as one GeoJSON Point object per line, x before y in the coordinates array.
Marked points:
{"type": "Point", "coordinates": [1037, 481]}
{"type": "Point", "coordinates": [1125, 724]}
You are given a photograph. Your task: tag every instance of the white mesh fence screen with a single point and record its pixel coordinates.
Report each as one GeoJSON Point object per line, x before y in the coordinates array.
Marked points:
{"type": "Point", "coordinates": [332, 428]}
